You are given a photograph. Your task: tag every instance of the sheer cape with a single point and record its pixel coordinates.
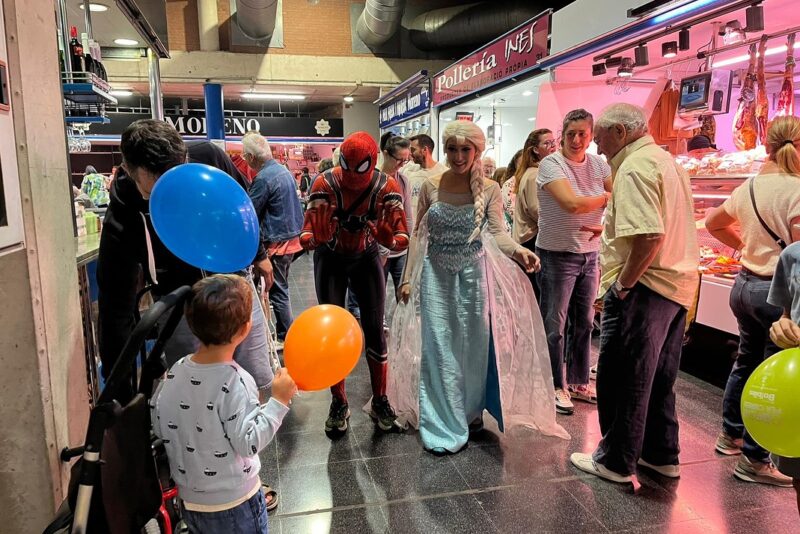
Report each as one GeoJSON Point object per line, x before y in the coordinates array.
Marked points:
{"type": "Point", "coordinates": [523, 361]}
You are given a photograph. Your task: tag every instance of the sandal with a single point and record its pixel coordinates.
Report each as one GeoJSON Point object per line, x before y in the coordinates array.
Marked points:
{"type": "Point", "coordinates": [270, 496]}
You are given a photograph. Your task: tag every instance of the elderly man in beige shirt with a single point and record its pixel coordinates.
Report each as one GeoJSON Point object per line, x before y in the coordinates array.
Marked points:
{"type": "Point", "coordinates": [648, 261]}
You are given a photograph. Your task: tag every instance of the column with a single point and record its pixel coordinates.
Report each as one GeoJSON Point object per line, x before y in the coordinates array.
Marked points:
{"type": "Point", "coordinates": [215, 121]}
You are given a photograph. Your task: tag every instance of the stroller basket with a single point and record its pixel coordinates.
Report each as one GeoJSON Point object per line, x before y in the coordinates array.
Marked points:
{"type": "Point", "coordinates": [120, 385]}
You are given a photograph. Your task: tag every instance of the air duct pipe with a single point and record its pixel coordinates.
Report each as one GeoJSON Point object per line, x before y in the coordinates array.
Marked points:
{"type": "Point", "coordinates": [208, 20]}
{"type": "Point", "coordinates": [471, 24]}
{"type": "Point", "coordinates": [256, 18]}
{"type": "Point", "coordinates": [379, 21]}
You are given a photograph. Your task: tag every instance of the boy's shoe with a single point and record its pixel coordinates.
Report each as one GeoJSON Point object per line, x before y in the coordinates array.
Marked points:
{"type": "Point", "coordinates": [670, 471]}
{"type": "Point", "coordinates": [383, 414]}
{"type": "Point", "coordinates": [761, 473]}
{"type": "Point", "coordinates": [586, 463]}
{"type": "Point", "coordinates": [338, 416]}
{"type": "Point", "coordinates": [584, 392]}
{"type": "Point", "coordinates": [563, 403]}
{"type": "Point", "coordinates": [728, 445]}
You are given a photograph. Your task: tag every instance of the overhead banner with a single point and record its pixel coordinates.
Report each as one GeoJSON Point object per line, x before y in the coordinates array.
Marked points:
{"type": "Point", "coordinates": [415, 101]}
{"type": "Point", "coordinates": [234, 126]}
{"type": "Point", "coordinates": [509, 55]}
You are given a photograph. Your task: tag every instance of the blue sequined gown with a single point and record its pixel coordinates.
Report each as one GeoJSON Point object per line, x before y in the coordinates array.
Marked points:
{"type": "Point", "coordinates": [458, 376]}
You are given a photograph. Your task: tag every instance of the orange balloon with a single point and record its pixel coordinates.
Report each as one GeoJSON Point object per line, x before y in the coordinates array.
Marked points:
{"type": "Point", "coordinates": [322, 346]}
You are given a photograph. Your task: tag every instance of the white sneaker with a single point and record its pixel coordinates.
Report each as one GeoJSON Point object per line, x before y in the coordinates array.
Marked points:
{"type": "Point", "coordinates": [670, 471]}
{"type": "Point", "coordinates": [586, 463]}
{"type": "Point", "coordinates": [563, 403]}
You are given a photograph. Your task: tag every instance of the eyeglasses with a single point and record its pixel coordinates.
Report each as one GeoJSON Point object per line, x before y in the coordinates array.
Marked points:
{"type": "Point", "coordinates": [549, 143]}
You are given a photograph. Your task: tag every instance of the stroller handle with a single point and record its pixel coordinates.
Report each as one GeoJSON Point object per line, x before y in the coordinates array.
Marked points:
{"type": "Point", "coordinates": [171, 303]}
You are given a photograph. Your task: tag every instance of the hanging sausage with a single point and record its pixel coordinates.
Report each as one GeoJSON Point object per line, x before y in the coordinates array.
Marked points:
{"type": "Point", "coordinates": [745, 130]}
{"type": "Point", "coordinates": [762, 102]}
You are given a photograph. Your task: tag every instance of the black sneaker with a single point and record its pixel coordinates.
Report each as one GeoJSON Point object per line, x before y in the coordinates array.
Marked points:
{"type": "Point", "coordinates": [338, 416]}
{"type": "Point", "coordinates": [383, 414]}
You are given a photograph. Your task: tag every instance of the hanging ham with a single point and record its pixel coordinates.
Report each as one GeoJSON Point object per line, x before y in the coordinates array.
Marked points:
{"type": "Point", "coordinates": [762, 102]}
{"type": "Point", "coordinates": [745, 130]}
{"type": "Point", "coordinates": [786, 96]}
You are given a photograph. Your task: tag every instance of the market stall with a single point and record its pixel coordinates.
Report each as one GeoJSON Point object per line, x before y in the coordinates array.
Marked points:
{"type": "Point", "coordinates": [718, 70]}
{"type": "Point", "coordinates": [497, 87]}
{"type": "Point", "coordinates": [406, 109]}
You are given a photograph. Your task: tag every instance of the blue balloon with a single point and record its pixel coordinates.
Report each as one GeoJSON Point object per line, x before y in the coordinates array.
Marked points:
{"type": "Point", "coordinates": [205, 218]}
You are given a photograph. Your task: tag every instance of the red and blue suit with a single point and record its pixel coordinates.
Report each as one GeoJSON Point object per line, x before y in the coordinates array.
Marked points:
{"type": "Point", "coordinates": [351, 209]}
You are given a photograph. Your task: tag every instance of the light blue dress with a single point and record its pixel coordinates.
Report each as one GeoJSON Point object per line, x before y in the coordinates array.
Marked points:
{"type": "Point", "coordinates": [458, 376]}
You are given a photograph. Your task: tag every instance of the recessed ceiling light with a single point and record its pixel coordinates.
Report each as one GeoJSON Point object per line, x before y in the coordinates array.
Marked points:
{"type": "Point", "coordinates": [126, 42]}
{"type": "Point", "coordinates": [272, 96]}
{"type": "Point", "coordinates": [121, 92]}
{"type": "Point", "coordinates": [447, 119]}
{"type": "Point", "coordinates": [531, 119]}
{"type": "Point", "coordinates": [527, 93]}
{"type": "Point", "coordinates": [348, 99]}
{"type": "Point", "coordinates": [96, 8]}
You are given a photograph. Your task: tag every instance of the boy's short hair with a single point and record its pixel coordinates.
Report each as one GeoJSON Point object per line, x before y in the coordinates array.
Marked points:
{"type": "Point", "coordinates": [218, 307]}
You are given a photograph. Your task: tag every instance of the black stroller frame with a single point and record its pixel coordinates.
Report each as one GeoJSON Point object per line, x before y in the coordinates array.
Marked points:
{"type": "Point", "coordinates": [122, 379]}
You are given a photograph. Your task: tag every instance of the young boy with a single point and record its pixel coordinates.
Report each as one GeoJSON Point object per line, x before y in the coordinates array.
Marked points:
{"type": "Point", "coordinates": [785, 332]}
{"type": "Point", "coordinates": [207, 412]}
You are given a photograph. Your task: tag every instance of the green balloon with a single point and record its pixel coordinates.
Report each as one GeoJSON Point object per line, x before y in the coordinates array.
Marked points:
{"type": "Point", "coordinates": [771, 404]}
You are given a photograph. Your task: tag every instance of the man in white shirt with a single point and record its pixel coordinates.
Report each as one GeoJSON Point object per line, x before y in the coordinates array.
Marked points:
{"type": "Point", "coordinates": [422, 153]}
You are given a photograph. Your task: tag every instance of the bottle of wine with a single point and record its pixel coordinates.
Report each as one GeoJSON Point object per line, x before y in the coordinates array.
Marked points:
{"type": "Point", "coordinates": [76, 51]}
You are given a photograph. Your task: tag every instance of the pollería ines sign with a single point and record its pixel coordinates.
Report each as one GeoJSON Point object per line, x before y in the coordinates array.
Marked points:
{"type": "Point", "coordinates": [509, 55]}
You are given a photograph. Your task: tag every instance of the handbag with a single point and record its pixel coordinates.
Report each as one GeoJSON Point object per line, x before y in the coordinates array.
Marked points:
{"type": "Point", "coordinates": [781, 243]}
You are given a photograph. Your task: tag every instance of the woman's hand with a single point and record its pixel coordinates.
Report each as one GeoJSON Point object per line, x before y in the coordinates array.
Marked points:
{"type": "Point", "coordinates": [404, 293]}
{"type": "Point", "coordinates": [529, 261]}
{"type": "Point", "coordinates": [785, 333]}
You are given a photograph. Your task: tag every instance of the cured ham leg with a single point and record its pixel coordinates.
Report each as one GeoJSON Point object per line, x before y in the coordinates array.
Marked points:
{"type": "Point", "coordinates": [745, 129]}
{"type": "Point", "coordinates": [786, 96]}
{"type": "Point", "coordinates": [762, 102]}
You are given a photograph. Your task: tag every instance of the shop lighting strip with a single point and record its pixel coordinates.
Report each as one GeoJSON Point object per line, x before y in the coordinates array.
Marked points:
{"type": "Point", "coordinates": [635, 30]}
{"type": "Point", "coordinates": [711, 197]}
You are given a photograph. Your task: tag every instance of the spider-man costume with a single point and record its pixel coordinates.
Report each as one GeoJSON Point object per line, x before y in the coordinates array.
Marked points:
{"type": "Point", "coordinates": [352, 208]}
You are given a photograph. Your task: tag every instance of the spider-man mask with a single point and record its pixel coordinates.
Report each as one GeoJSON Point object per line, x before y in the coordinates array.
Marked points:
{"type": "Point", "coordinates": [358, 156]}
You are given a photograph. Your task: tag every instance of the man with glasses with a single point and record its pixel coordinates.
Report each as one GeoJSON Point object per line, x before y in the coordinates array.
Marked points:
{"type": "Point", "coordinates": [421, 149]}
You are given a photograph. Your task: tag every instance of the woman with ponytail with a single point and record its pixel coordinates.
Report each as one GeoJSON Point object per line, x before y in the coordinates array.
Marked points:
{"type": "Point", "coordinates": [467, 335]}
{"type": "Point", "coordinates": [774, 196]}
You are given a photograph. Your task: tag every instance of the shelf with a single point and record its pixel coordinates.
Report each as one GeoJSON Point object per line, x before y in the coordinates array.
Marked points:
{"type": "Point", "coordinates": [87, 120]}
{"type": "Point", "coordinates": [87, 93]}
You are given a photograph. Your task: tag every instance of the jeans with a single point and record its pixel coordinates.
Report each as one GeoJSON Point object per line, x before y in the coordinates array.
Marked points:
{"type": "Point", "coordinates": [640, 352]}
{"type": "Point", "coordinates": [250, 517]}
{"type": "Point", "coordinates": [252, 353]}
{"type": "Point", "coordinates": [279, 294]}
{"type": "Point", "coordinates": [569, 286]}
{"type": "Point", "coordinates": [352, 305]}
{"type": "Point", "coordinates": [363, 275]}
{"type": "Point", "coordinates": [533, 277]}
{"type": "Point", "coordinates": [754, 316]}
{"type": "Point", "coordinates": [394, 267]}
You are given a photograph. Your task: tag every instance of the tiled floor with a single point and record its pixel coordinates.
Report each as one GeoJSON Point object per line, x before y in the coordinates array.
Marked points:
{"type": "Point", "coordinates": [371, 482]}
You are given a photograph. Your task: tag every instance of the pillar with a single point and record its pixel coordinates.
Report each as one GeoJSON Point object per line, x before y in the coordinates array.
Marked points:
{"type": "Point", "coordinates": [215, 122]}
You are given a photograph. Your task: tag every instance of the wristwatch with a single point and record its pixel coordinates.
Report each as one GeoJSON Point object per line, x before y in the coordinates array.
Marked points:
{"type": "Point", "coordinates": [621, 290]}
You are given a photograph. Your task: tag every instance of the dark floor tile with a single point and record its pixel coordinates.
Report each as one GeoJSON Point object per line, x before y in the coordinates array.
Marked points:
{"type": "Point", "coordinates": [540, 507]}
{"type": "Point", "coordinates": [307, 448]}
{"type": "Point", "coordinates": [618, 507]}
{"type": "Point", "coordinates": [495, 465]}
{"type": "Point", "coordinates": [460, 514]}
{"type": "Point", "coordinates": [775, 520]}
{"type": "Point", "coordinates": [374, 443]}
{"type": "Point", "coordinates": [321, 487]}
{"type": "Point", "coordinates": [697, 526]}
{"type": "Point", "coordinates": [713, 493]}
{"type": "Point", "coordinates": [269, 465]}
{"type": "Point", "coordinates": [366, 520]}
{"type": "Point", "coordinates": [400, 477]}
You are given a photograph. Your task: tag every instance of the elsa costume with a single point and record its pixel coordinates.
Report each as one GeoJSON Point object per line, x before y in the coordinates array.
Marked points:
{"type": "Point", "coordinates": [470, 337]}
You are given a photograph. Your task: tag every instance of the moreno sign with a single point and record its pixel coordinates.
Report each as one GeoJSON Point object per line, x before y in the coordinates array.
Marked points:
{"type": "Point", "coordinates": [192, 125]}
{"type": "Point", "coordinates": [509, 55]}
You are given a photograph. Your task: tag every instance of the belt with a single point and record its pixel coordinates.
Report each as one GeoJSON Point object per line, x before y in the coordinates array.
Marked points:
{"type": "Point", "coordinates": [748, 272]}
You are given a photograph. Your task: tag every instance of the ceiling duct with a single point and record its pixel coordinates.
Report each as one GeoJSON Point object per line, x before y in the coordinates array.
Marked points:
{"type": "Point", "coordinates": [256, 18]}
{"type": "Point", "coordinates": [471, 24]}
{"type": "Point", "coordinates": [379, 21]}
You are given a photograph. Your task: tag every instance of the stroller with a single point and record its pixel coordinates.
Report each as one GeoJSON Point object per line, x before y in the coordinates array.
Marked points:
{"type": "Point", "coordinates": [121, 484]}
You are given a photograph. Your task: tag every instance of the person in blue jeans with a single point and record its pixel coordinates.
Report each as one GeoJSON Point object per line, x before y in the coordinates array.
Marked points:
{"type": "Point", "coordinates": [208, 413]}
{"type": "Point", "coordinates": [573, 189]}
{"type": "Point", "coordinates": [280, 216]}
{"type": "Point", "coordinates": [766, 209]}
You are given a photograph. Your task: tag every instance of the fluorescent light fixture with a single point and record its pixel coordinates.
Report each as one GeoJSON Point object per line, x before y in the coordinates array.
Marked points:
{"type": "Point", "coordinates": [681, 10]}
{"type": "Point", "coordinates": [95, 8]}
{"type": "Point", "coordinates": [744, 57]}
{"type": "Point", "coordinates": [121, 92]}
{"type": "Point", "coordinates": [527, 93]}
{"type": "Point", "coordinates": [126, 42]}
{"type": "Point", "coordinates": [447, 119]}
{"type": "Point", "coordinates": [348, 98]}
{"type": "Point", "coordinates": [272, 96]}
{"type": "Point", "coordinates": [531, 119]}
{"type": "Point", "coordinates": [507, 124]}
